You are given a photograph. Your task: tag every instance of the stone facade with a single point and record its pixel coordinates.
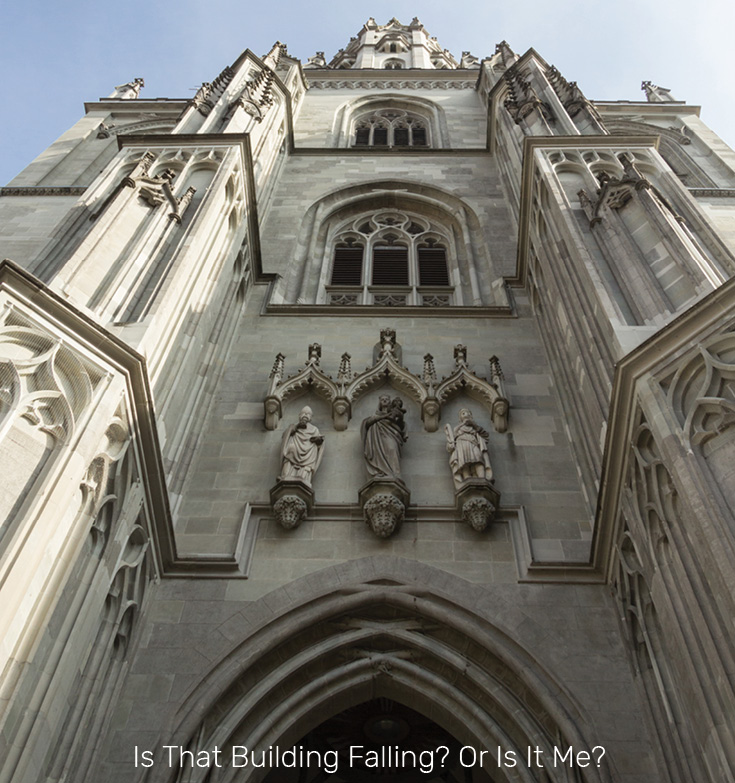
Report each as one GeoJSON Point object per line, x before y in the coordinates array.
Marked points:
{"type": "Point", "coordinates": [188, 276]}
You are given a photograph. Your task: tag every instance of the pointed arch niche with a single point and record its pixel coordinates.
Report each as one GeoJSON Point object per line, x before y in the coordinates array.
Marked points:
{"type": "Point", "coordinates": [413, 109]}
{"type": "Point", "coordinates": [415, 218]}
{"type": "Point", "coordinates": [373, 629]}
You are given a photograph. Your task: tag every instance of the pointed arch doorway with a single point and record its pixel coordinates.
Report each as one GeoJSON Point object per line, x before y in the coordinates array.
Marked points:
{"type": "Point", "coordinates": [382, 740]}
{"type": "Point", "coordinates": [377, 645]}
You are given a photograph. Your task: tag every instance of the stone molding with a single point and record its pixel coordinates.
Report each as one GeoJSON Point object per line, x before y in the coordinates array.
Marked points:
{"type": "Point", "coordinates": [713, 192]}
{"type": "Point", "coordinates": [386, 84]}
{"type": "Point", "coordinates": [42, 191]}
{"type": "Point", "coordinates": [427, 391]}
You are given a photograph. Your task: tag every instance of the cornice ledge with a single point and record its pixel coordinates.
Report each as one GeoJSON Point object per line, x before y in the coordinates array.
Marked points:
{"type": "Point", "coordinates": [713, 192]}
{"type": "Point", "coordinates": [378, 151]}
{"type": "Point", "coordinates": [644, 107]}
{"type": "Point", "coordinates": [41, 190]}
{"type": "Point", "coordinates": [407, 311]}
{"type": "Point", "coordinates": [173, 105]}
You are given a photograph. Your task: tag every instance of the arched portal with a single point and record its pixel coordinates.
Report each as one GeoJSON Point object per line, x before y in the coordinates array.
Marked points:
{"type": "Point", "coordinates": [379, 628]}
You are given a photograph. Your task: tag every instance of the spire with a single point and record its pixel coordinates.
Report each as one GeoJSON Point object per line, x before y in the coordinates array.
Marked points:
{"type": "Point", "coordinates": [393, 46]}
{"type": "Point", "coordinates": [277, 51]}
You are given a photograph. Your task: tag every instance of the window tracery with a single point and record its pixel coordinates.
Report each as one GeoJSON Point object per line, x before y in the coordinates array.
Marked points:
{"type": "Point", "coordinates": [391, 128]}
{"type": "Point", "coordinates": [390, 258]}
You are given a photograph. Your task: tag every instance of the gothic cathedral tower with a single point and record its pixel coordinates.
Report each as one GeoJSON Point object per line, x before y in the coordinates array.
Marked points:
{"type": "Point", "coordinates": [381, 405]}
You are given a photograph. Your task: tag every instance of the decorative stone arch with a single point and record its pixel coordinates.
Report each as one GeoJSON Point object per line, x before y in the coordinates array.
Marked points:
{"type": "Point", "coordinates": [379, 627]}
{"type": "Point", "coordinates": [427, 391]}
{"type": "Point", "coordinates": [469, 257]}
{"type": "Point", "coordinates": [429, 111]}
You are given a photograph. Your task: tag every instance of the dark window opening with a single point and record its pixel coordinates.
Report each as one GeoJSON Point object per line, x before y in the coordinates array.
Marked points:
{"type": "Point", "coordinates": [400, 137]}
{"type": "Point", "coordinates": [347, 269]}
{"type": "Point", "coordinates": [380, 137]}
{"type": "Point", "coordinates": [433, 266]}
{"type": "Point", "coordinates": [419, 137]}
{"type": "Point", "coordinates": [390, 265]}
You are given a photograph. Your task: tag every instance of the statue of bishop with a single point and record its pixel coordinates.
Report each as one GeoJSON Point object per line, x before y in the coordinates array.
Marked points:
{"type": "Point", "coordinates": [301, 450]}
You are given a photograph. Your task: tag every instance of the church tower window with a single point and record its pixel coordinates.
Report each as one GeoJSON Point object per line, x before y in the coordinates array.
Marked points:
{"type": "Point", "coordinates": [390, 262]}
{"type": "Point", "coordinates": [399, 260]}
{"type": "Point", "coordinates": [347, 267]}
{"type": "Point", "coordinates": [432, 260]}
{"type": "Point", "coordinates": [391, 128]}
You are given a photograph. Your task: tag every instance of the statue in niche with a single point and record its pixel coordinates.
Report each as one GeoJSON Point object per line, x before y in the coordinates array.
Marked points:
{"type": "Point", "coordinates": [302, 449]}
{"type": "Point", "coordinates": [467, 447]}
{"type": "Point", "coordinates": [383, 436]}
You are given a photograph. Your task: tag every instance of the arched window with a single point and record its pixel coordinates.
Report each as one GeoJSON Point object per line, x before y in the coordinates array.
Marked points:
{"type": "Point", "coordinates": [391, 128]}
{"type": "Point", "coordinates": [393, 65]}
{"type": "Point", "coordinates": [390, 258]}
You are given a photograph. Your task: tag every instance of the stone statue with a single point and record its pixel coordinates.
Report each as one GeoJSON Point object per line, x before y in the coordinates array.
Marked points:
{"type": "Point", "coordinates": [383, 436]}
{"type": "Point", "coordinates": [467, 447]}
{"type": "Point", "coordinates": [302, 449]}
{"type": "Point", "coordinates": [128, 91]}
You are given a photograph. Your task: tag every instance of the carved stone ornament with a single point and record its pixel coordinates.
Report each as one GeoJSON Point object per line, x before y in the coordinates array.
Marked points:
{"type": "Point", "coordinates": [46, 381]}
{"type": "Point", "coordinates": [398, 84]}
{"type": "Point", "coordinates": [129, 90]}
{"type": "Point", "coordinates": [429, 393]}
{"type": "Point", "coordinates": [292, 501]}
{"type": "Point", "coordinates": [302, 449]}
{"type": "Point", "coordinates": [383, 436]}
{"type": "Point", "coordinates": [615, 192]}
{"type": "Point", "coordinates": [384, 502]}
{"type": "Point", "coordinates": [467, 447]}
{"type": "Point", "coordinates": [476, 503]}
{"type": "Point", "coordinates": [155, 190]}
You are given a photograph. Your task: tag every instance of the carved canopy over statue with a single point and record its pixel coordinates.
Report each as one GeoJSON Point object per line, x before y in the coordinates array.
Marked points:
{"type": "Point", "coordinates": [383, 436]}
{"type": "Point", "coordinates": [467, 447]}
{"type": "Point", "coordinates": [302, 449]}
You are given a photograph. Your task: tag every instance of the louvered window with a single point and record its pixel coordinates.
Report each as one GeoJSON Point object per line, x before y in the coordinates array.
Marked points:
{"type": "Point", "coordinates": [400, 137]}
{"type": "Point", "coordinates": [390, 265]}
{"type": "Point", "coordinates": [362, 136]}
{"type": "Point", "coordinates": [433, 266]}
{"type": "Point", "coordinates": [347, 269]}
{"type": "Point", "coordinates": [380, 137]}
{"type": "Point", "coordinates": [419, 137]}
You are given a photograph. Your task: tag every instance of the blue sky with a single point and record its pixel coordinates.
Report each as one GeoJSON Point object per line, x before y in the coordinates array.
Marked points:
{"type": "Point", "coordinates": [56, 55]}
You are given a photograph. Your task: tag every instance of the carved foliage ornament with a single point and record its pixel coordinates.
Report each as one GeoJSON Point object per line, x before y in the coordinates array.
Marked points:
{"type": "Point", "coordinates": [428, 393]}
